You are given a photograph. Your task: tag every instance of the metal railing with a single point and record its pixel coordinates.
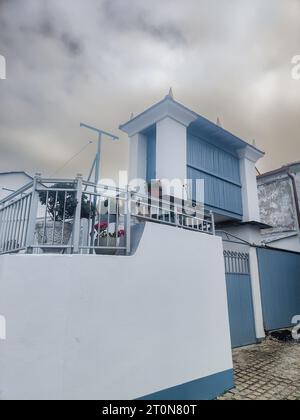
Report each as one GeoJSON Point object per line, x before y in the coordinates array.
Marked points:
{"type": "Point", "coordinates": [14, 220]}
{"type": "Point", "coordinates": [237, 262]}
{"type": "Point", "coordinates": [79, 217]}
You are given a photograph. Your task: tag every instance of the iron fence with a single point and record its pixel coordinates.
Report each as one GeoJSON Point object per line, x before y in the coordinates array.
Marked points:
{"type": "Point", "coordinates": [236, 262]}
{"type": "Point", "coordinates": [74, 216]}
{"type": "Point", "coordinates": [14, 220]}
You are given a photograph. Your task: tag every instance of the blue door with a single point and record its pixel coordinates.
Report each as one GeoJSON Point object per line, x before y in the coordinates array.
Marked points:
{"type": "Point", "coordinates": [280, 287]}
{"type": "Point", "coordinates": [240, 304]}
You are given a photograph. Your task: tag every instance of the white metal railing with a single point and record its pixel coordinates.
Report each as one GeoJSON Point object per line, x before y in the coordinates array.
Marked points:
{"type": "Point", "coordinates": [14, 220]}
{"type": "Point", "coordinates": [75, 216]}
{"type": "Point", "coordinates": [237, 262]}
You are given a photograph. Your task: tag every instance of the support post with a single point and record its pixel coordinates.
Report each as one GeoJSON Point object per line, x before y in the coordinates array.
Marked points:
{"type": "Point", "coordinates": [76, 228]}
{"type": "Point", "coordinates": [256, 294]}
{"type": "Point", "coordinates": [213, 226]}
{"type": "Point", "coordinates": [32, 215]}
{"type": "Point", "coordinates": [97, 161]}
{"type": "Point", "coordinates": [128, 221]}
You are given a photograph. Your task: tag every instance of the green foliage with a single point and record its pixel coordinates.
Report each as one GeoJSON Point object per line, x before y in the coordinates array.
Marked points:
{"type": "Point", "coordinates": [61, 205]}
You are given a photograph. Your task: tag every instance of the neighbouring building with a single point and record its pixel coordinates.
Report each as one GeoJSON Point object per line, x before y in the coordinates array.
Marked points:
{"type": "Point", "coordinates": [279, 201]}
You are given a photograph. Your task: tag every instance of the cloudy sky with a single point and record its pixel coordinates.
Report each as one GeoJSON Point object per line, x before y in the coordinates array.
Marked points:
{"type": "Point", "coordinates": [99, 60]}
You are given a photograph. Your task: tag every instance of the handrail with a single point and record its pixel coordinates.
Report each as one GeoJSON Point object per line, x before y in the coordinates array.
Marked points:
{"type": "Point", "coordinates": [42, 217]}
{"type": "Point", "coordinates": [169, 203]}
{"type": "Point", "coordinates": [16, 193]}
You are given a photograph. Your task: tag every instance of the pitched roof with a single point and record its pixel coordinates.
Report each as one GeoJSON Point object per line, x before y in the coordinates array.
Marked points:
{"type": "Point", "coordinates": [283, 169]}
{"type": "Point", "coordinates": [275, 237]}
{"type": "Point", "coordinates": [168, 106]}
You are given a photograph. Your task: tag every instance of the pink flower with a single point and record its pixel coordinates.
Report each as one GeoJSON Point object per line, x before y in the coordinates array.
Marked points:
{"type": "Point", "coordinates": [101, 226]}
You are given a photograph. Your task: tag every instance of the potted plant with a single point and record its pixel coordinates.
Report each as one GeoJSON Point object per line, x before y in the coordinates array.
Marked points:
{"type": "Point", "coordinates": [154, 188]}
{"type": "Point", "coordinates": [108, 238]}
{"type": "Point", "coordinates": [61, 206]}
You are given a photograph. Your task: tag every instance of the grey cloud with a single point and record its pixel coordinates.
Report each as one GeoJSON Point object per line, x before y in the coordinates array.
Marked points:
{"type": "Point", "coordinates": [132, 16]}
{"type": "Point", "coordinates": [98, 61]}
{"type": "Point", "coordinates": [47, 29]}
{"type": "Point", "coordinates": [71, 44]}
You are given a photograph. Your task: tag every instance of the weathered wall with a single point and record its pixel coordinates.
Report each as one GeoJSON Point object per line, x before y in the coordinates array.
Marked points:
{"type": "Point", "coordinates": [297, 177]}
{"type": "Point", "coordinates": [104, 327]}
{"type": "Point", "coordinates": [277, 204]}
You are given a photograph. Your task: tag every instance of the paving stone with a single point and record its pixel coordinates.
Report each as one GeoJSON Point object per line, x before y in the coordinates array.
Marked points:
{"type": "Point", "coordinates": [268, 371]}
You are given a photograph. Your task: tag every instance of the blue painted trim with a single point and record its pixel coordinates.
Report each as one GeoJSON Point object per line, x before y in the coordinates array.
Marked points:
{"type": "Point", "coordinates": [151, 155]}
{"type": "Point", "coordinates": [217, 210]}
{"type": "Point", "coordinates": [207, 388]}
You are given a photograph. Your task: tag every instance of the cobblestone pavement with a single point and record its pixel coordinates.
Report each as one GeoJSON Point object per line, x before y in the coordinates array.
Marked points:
{"type": "Point", "coordinates": [269, 371]}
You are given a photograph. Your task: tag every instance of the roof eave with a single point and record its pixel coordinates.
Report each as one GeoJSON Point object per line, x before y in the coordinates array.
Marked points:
{"type": "Point", "coordinates": [163, 109]}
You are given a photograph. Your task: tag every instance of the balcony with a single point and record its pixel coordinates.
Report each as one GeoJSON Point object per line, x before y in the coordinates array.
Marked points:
{"type": "Point", "coordinates": [72, 216]}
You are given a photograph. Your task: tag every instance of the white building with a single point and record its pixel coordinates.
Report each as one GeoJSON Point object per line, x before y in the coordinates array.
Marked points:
{"type": "Point", "coordinates": [151, 314]}
{"type": "Point", "coordinates": [169, 141]}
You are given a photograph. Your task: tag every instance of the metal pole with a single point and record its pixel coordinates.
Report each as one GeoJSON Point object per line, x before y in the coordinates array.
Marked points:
{"type": "Point", "coordinates": [128, 222]}
{"type": "Point", "coordinates": [97, 161]}
{"type": "Point", "coordinates": [32, 215]}
{"type": "Point", "coordinates": [97, 178]}
{"type": "Point", "coordinates": [76, 228]}
{"type": "Point", "coordinates": [91, 171]}
{"type": "Point", "coordinates": [213, 222]}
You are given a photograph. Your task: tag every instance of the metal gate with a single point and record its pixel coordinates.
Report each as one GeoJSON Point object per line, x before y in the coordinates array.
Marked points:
{"type": "Point", "coordinates": [280, 287]}
{"type": "Point", "coordinates": [240, 304]}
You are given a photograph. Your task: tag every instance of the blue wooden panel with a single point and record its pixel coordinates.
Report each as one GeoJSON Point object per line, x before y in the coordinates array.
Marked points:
{"type": "Point", "coordinates": [241, 313]}
{"type": "Point", "coordinates": [212, 159]}
{"type": "Point", "coordinates": [221, 173]}
{"type": "Point", "coordinates": [151, 156]}
{"type": "Point", "coordinates": [218, 194]}
{"type": "Point", "coordinates": [280, 287]}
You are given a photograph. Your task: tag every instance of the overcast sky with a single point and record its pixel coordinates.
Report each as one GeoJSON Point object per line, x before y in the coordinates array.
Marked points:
{"type": "Point", "coordinates": [99, 60]}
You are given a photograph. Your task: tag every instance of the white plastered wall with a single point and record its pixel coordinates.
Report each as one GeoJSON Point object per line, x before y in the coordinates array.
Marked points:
{"type": "Point", "coordinates": [105, 327]}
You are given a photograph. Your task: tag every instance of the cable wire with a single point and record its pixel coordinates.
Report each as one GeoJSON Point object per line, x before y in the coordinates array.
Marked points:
{"type": "Point", "coordinates": [71, 159]}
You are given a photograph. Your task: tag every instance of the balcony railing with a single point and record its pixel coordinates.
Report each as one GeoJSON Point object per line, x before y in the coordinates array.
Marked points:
{"type": "Point", "coordinates": [78, 217]}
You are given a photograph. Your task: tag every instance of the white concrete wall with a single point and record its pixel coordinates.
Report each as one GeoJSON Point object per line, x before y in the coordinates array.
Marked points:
{"type": "Point", "coordinates": [249, 188]}
{"type": "Point", "coordinates": [104, 327]}
{"type": "Point", "coordinates": [137, 157]}
{"type": "Point", "coordinates": [171, 149]}
{"type": "Point", "coordinates": [171, 153]}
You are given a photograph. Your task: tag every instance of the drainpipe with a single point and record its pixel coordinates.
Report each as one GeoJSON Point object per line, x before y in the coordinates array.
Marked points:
{"type": "Point", "coordinates": [294, 186]}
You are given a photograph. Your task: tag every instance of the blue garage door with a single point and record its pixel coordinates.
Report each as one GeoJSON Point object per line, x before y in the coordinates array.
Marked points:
{"type": "Point", "coordinates": [239, 294]}
{"type": "Point", "coordinates": [280, 287]}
